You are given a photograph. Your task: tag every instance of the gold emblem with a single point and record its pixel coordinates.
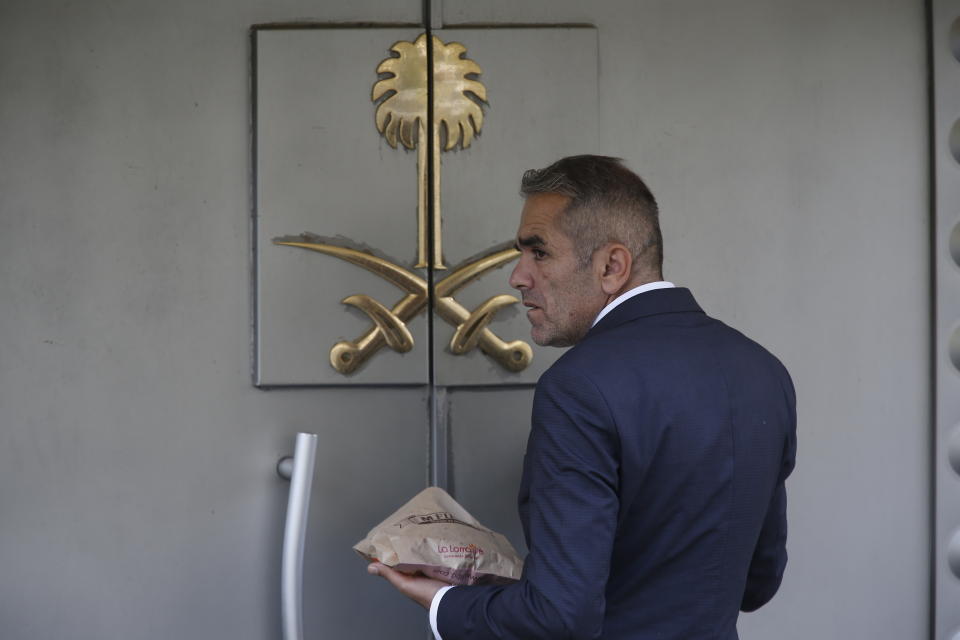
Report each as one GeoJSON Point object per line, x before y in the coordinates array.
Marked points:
{"type": "Point", "coordinates": [401, 115]}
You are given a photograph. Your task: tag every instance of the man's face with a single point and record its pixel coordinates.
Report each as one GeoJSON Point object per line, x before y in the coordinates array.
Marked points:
{"type": "Point", "coordinates": [563, 298]}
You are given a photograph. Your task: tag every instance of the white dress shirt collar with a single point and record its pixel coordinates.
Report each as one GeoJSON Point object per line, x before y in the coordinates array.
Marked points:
{"type": "Point", "coordinates": [623, 297]}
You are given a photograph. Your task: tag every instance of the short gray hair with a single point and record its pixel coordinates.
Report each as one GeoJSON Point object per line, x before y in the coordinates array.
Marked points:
{"type": "Point", "coordinates": [608, 203]}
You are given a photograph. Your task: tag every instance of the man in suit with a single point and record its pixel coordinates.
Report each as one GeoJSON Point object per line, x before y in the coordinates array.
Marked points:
{"type": "Point", "coordinates": [652, 498]}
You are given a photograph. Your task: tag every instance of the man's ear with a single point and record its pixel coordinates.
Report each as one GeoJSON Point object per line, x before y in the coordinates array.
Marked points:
{"type": "Point", "coordinates": [616, 267]}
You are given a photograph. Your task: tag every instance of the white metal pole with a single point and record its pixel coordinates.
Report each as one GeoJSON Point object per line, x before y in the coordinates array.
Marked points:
{"type": "Point", "coordinates": [295, 533]}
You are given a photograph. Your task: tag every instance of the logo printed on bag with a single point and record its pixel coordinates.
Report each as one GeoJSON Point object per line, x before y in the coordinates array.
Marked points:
{"type": "Point", "coordinates": [459, 551]}
{"type": "Point", "coordinates": [439, 517]}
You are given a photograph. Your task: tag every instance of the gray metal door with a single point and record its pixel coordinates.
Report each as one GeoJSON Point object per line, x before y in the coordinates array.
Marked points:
{"type": "Point", "coordinates": [383, 233]}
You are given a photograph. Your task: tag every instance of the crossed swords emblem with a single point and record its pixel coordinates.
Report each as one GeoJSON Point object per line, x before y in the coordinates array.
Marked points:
{"type": "Point", "coordinates": [389, 324]}
{"type": "Point", "coordinates": [401, 96]}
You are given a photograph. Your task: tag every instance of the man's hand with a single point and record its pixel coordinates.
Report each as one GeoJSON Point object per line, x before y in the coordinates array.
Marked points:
{"type": "Point", "coordinates": [418, 588]}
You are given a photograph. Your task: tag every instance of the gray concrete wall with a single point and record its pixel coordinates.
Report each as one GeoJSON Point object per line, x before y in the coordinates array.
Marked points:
{"type": "Point", "coordinates": [786, 141]}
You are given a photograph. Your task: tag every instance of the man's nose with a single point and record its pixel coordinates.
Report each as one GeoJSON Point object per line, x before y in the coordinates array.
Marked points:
{"type": "Point", "coordinates": [520, 277]}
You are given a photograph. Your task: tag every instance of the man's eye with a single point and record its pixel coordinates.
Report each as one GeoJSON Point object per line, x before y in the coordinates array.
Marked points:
{"type": "Point", "coordinates": [539, 254]}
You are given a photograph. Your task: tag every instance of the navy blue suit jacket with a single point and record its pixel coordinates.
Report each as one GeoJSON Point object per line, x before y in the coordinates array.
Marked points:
{"type": "Point", "coordinates": [652, 497]}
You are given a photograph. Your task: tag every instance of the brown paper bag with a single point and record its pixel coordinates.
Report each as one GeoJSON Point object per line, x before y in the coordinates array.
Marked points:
{"type": "Point", "coordinates": [434, 535]}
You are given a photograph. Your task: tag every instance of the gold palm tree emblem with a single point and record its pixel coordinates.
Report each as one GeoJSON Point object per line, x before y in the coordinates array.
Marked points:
{"type": "Point", "coordinates": [401, 115]}
{"type": "Point", "coordinates": [402, 99]}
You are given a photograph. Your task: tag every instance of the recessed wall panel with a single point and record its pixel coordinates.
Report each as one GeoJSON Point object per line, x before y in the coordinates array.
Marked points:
{"type": "Point", "coordinates": [541, 86]}
{"type": "Point", "coordinates": [323, 169]}
{"type": "Point", "coordinates": [488, 439]}
{"type": "Point", "coordinates": [370, 461]}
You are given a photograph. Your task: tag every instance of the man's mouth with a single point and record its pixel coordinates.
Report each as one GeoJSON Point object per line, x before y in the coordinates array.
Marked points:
{"type": "Point", "coordinates": [531, 309]}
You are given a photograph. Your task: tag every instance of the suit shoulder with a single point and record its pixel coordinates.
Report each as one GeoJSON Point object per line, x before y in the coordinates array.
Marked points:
{"type": "Point", "coordinates": [583, 360]}
{"type": "Point", "coordinates": [761, 351]}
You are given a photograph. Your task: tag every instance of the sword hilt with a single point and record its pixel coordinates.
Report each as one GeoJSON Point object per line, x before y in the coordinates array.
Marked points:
{"type": "Point", "coordinates": [346, 356]}
{"type": "Point", "coordinates": [513, 356]}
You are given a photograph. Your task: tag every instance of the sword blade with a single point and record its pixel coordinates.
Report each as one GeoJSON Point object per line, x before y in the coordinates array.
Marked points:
{"type": "Point", "coordinates": [464, 275]}
{"type": "Point", "coordinates": [404, 279]}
